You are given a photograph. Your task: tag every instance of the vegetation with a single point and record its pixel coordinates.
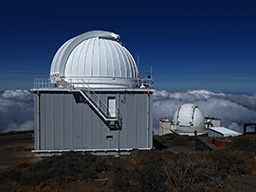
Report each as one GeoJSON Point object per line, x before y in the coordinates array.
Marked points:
{"type": "Point", "coordinates": [155, 170]}
{"type": "Point", "coordinates": [243, 144]}
{"type": "Point", "coordinates": [164, 171]}
{"type": "Point", "coordinates": [64, 168]}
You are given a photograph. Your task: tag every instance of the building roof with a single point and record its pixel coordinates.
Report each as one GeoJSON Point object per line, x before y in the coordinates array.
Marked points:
{"type": "Point", "coordinates": [212, 118]}
{"type": "Point", "coordinates": [165, 120]}
{"type": "Point", "coordinates": [95, 58]}
{"type": "Point", "coordinates": [224, 131]}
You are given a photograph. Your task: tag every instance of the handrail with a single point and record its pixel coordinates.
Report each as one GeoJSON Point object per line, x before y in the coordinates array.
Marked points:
{"type": "Point", "coordinates": [48, 83]}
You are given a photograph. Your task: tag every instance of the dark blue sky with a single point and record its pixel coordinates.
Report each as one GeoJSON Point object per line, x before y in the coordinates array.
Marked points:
{"type": "Point", "coordinates": [207, 44]}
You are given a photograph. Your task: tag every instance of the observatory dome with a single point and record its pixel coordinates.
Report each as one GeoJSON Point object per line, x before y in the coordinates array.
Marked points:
{"type": "Point", "coordinates": [188, 115]}
{"type": "Point", "coordinates": [95, 59]}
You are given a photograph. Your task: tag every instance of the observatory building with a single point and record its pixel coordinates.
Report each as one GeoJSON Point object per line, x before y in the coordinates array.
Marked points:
{"type": "Point", "coordinates": [187, 119]}
{"type": "Point", "coordinates": [93, 101]}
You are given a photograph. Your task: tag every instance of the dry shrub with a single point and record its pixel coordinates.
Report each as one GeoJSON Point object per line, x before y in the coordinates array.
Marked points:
{"type": "Point", "coordinates": [57, 168]}
{"type": "Point", "coordinates": [146, 175]}
{"type": "Point", "coordinates": [64, 168]}
{"type": "Point", "coordinates": [23, 165]}
{"type": "Point", "coordinates": [227, 162]}
{"type": "Point", "coordinates": [187, 172]}
{"type": "Point", "coordinates": [165, 171]}
{"type": "Point", "coordinates": [243, 144]}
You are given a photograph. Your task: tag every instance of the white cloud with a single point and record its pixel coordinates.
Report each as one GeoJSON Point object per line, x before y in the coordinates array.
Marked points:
{"type": "Point", "coordinates": [27, 125]}
{"type": "Point", "coordinates": [16, 110]}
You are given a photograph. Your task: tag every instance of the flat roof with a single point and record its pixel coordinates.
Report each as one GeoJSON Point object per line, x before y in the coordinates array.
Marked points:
{"type": "Point", "coordinates": [224, 131]}
{"type": "Point", "coordinates": [165, 120]}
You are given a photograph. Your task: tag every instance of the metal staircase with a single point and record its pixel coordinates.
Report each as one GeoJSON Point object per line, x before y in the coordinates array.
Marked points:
{"type": "Point", "coordinates": [101, 109]}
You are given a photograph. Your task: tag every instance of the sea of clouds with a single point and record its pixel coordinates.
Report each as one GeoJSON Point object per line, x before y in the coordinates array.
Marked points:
{"type": "Point", "coordinates": [233, 110]}
{"type": "Point", "coordinates": [16, 108]}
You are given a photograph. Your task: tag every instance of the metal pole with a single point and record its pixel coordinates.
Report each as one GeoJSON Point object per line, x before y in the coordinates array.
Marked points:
{"type": "Point", "coordinates": [38, 120]}
{"type": "Point", "coordinates": [148, 119]}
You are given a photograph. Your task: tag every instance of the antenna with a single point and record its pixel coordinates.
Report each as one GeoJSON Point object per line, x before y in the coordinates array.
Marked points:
{"type": "Point", "coordinates": [138, 62]}
{"type": "Point", "coordinates": [151, 72]}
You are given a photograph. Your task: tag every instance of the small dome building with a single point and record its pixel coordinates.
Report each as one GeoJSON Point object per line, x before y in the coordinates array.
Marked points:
{"type": "Point", "coordinates": [187, 119]}
{"type": "Point", "coordinates": [93, 100]}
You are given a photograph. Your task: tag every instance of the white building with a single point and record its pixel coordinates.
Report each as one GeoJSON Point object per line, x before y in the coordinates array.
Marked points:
{"type": "Point", "coordinates": [212, 122]}
{"type": "Point", "coordinates": [93, 101]}
{"type": "Point", "coordinates": [164, 126]}
{"type": "Point", "coordinates": [187, 119]}
{"type": "Point", "coordinates": [222, 132]}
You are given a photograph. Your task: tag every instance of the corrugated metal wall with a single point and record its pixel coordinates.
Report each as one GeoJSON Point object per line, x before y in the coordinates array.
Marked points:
{"type": "Point", "coordinates": [67, 122]}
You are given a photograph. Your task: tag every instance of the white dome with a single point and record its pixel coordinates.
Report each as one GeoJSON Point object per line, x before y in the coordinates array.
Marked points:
{"type": "Point", "coordinates": [188, 115]}
{"type": "Point", "coordinates": [96, 59]}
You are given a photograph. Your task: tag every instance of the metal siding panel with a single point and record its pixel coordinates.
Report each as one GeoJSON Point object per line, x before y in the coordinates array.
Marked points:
{"type": "Point", "coordinates": [49, 121]}
{"type": "Point", "coordinates": [42, 122]}
{"type": "Point", "coordinates": [131, 120]}
{"type": "Point", "coordinates": [35, 123]}
{"type": "Point", "coordinates": [103, 128]}
{"type": "Point", "coordinates": [151, 121]}
{"type": "Point", "coordinates": [68, 120]}
{"type": "Point", "coordinates": [112, 144]}
{"type": "Point", "coordinates": [87, 126]}
{"type": "Point", "coordinates": [141, 109]}
{"type": "Point", "coordinates": [95, 130]}
{"type": "Point", "coordinates": [78, 132]}
{"type": "Point", "coordinates": [58, 136]}
{"type": "Point", "coordinates": [124, 111]}
{"type": "Point", "coordinates": [103, 133]}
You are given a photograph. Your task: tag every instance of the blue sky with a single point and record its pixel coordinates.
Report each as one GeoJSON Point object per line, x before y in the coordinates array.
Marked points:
{"type": "Point", "coordinates": [203, 44]}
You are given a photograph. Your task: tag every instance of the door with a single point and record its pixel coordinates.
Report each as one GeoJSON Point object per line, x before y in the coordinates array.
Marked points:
{"type": "Point", "coordinates": [112, 106]}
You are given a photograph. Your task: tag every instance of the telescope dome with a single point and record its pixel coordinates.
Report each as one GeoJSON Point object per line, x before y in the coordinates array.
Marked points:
{"type": "Point", "coordinates": [95, 59]}
{"type": "Point", "coordinates": [188, 115]}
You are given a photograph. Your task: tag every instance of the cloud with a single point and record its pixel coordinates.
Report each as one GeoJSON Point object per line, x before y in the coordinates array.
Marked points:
{"type": "Point", "coordinates": [16, 110]}
{"type": "Point", "coordinates": [27, 125]}
{"type": "Point", "coordinates": [233, 110]}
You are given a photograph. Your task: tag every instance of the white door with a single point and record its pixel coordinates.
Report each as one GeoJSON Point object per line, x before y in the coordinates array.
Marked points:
{"type": "Point", "coordinates": [112, 106]}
